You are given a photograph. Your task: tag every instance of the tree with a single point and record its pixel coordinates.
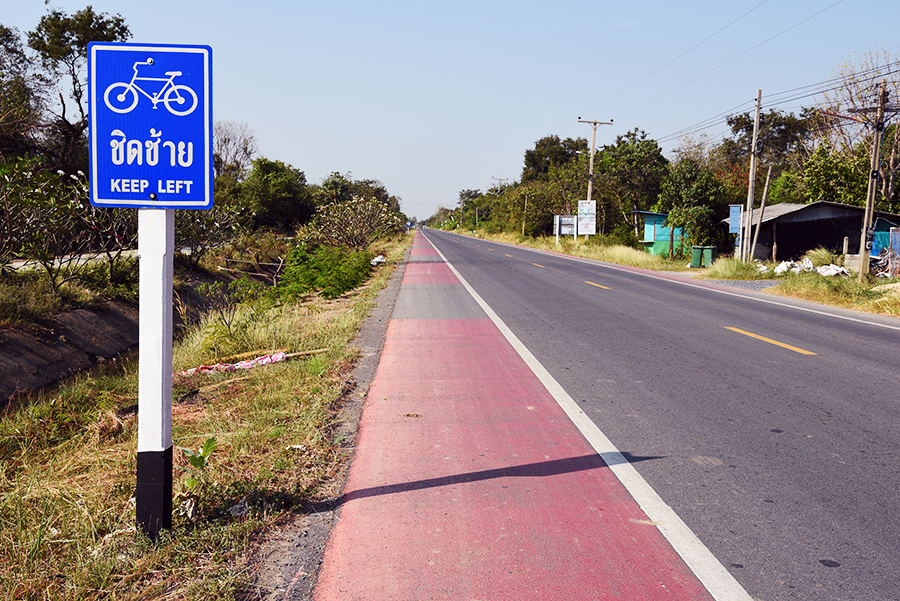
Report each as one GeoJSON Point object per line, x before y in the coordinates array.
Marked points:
{"type": "Point", "coordinates": [278, 195]}
{"type": "Point", "coordinates": [695, 202]}
{"type": "Point", "coordinates": [857, 96]}
{"type": "Point", "coordinates": [550, 152]}
{"type": "Point", "coordinates": [21, 97]}
{"type": "Point", "coordinates": [234, 146]}
{"type": "Point", "coordinates": [469, 204]}
{"type": "Point", "coordinates": [201, 231]}
{"type": "Point", "coordinates": [61, 42]}
{"type": "Point", "coordinates": [372, 188]}
{"type": "Point", "coordinates": [336, 188]}
{"type": "Point", "coordinates": [634, 168]}
{"type": "Point", "coordinates": [783, 139]}
{"type": "Point", "coordinates": [837, 176]}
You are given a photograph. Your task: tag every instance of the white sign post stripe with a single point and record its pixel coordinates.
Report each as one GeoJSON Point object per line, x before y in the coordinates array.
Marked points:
{"type": "Point", "coordinates": [705, 566]}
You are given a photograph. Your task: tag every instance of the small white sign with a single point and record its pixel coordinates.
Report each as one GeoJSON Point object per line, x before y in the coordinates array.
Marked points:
{"type": "Point", "coordinates": [587, 217]}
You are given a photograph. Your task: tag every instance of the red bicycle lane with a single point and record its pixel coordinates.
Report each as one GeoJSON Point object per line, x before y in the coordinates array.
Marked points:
{"type": "Point", "coordinates": [469, 481]}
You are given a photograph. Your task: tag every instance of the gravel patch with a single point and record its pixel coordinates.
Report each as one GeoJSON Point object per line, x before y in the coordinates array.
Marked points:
{"type": "Point", "coordinates": [748, 284]}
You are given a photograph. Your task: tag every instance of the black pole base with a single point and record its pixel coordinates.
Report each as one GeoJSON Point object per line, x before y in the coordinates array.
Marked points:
{"type": "Point", "coordinates": [154, 492]}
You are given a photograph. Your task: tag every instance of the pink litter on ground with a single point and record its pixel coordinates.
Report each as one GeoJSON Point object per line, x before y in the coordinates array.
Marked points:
{"type": "Point", "coordinates": [225, 367]}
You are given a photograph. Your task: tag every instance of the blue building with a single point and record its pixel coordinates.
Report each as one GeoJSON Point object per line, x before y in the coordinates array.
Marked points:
{"type": "Point", "coordinates": [660, 239]}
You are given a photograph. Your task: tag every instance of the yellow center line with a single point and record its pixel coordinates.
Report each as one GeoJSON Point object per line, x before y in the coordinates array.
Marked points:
{"type": "Point", "coordinates": [597, 285]}
{"type": "Point", "coordinates": [541, 266]}
{"type": "Point", "coordinates": [770, 341]}
{"type": "Point", "coordinates": [510, 256]}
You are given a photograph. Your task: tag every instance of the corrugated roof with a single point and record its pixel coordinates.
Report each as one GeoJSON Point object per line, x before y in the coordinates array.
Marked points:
{"type": "Point", "coordinates": [775, 211]}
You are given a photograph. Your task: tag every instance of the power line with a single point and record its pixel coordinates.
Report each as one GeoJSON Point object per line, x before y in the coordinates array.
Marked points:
{"type": "Point", "coordinates": [695, 46]}
{"type": "Point", "coordinates": [731, 59]}
{"type": "Point", "coordinates": [792, 95]}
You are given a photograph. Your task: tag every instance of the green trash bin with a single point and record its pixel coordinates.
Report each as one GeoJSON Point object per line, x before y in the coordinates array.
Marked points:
{"type": "Point", "coordinates": [696, 256]}
{"type": "Point", "coordinates": [709, 255]}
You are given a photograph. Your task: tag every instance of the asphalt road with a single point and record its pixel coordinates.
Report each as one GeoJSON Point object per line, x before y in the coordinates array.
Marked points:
{"type": "Point", "coordinates": [772, 427]}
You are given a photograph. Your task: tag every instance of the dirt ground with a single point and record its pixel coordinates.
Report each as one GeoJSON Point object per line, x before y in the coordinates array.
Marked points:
{"type": "Point", "coordinates": [286, 559]}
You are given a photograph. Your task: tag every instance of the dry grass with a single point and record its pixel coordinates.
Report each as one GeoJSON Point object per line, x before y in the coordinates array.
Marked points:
{"type": "Point", "coordinates": [67, 464]}
{"type": "Point", "coordinates": [870, 296]}
{"type": "Point", "coordinates": [593, 248]}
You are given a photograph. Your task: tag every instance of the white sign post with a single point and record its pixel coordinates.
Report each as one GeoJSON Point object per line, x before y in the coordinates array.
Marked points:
{"type": "Point", "coordinates": [151, 149]}
{"type": "Point", "coordinates": [156, 243]}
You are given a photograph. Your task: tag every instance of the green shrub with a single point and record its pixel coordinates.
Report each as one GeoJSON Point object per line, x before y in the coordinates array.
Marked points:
{"type": "Point", "coordinates": [823, 256]}
{"type": "Point", "coordinates": [26, 297]}
{"type": "Point", "coordinates": [331, 271]}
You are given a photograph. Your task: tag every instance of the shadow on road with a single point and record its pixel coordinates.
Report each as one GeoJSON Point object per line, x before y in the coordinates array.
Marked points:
{"type": "Point", "coordinates": [530, 470]}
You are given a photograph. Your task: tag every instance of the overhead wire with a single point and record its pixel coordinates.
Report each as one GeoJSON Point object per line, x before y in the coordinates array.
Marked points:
{"type": "Point", "coordinates": [800, 93]}
{"type": "Point", "coordinates": [692, 48]}
{"type": "Point", "coordinates": [790, 96]}
{"type": "Point", "coordinates": [732, 59]}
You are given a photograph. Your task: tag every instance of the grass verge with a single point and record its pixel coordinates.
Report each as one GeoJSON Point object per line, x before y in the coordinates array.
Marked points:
{"type": "Point", "coordinates": [593, 248]}
{"type": "Point", "coordinates": [67, 459]}
{"type": "Point", "coordinates": [871, 296]}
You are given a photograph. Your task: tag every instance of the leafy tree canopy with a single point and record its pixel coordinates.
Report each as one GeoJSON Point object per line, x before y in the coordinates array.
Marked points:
{"type": "Point", "coordinates": [633, 168]}
{"type": "Point", "coordinates": [782, 137]}
{"type": "Point", "coordinates": [339, 187]}
{"type": "Point", "coordinates": [837, 176]}
{"type": "Point", "coordinates": [467, 198]}
{"type": "Point", "coordinates": [550, 152]}
{"type": "Point", "coordinates": [61, 40]}
{"type": "Point", "coordinates": [278, 195]}
{"type": "Point", "coordinates": [695, 202]}
{"type": "Point", "coordinates": [21, 96]}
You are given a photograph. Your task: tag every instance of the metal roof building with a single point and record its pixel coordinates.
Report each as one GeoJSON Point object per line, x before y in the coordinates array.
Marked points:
{"type": "Point", "coordinates": [789, 230]}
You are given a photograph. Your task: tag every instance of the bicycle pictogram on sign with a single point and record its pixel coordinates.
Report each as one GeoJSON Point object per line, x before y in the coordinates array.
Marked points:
{"type": "Point", "coordinates": [179, 99]}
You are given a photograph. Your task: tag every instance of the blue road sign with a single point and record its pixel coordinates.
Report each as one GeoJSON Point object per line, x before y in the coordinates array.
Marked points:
{"type": "Point", "coordinates": [150, 125]}
{"type": "Point", "coordinates": [735, 213]}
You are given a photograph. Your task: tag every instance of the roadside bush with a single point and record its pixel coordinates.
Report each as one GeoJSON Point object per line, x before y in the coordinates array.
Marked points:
{"type": "Point", "coordinates": [122, 285]}
{"type": "Point", "coordinates": [200, 231]}
{"type": "Point", "coordinates": [353, 223]}
{"type": "Point", "coordinates": [236, 309]}
{"type": "Point", "coordinates": [823, 256]}
{"type": "Point", "coordinates": [332, 271]}
{"type": "Point", "coordinates": [25, 298]}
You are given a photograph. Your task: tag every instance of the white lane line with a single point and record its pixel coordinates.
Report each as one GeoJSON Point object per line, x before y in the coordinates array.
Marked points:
{"type": "Point", "coordinates": [708, 570]}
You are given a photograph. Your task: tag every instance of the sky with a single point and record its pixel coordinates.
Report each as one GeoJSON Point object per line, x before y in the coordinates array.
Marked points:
{"type": "Point", "coordinates": [432, 98]}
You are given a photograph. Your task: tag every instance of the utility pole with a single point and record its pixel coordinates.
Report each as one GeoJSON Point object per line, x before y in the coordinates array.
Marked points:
{"type": "Point", "coordinates": [524, 212]}
{"type": "Point", "coordinates": [500, 181]}
{"type": "Point", "coordinates": [748, 220]}
{"type": "Point", "coordinates": [865, 238]}
{"type": "Point", "coordinates": [762, 209]}
{"type": "Point", "coordinates": [594, 125]}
